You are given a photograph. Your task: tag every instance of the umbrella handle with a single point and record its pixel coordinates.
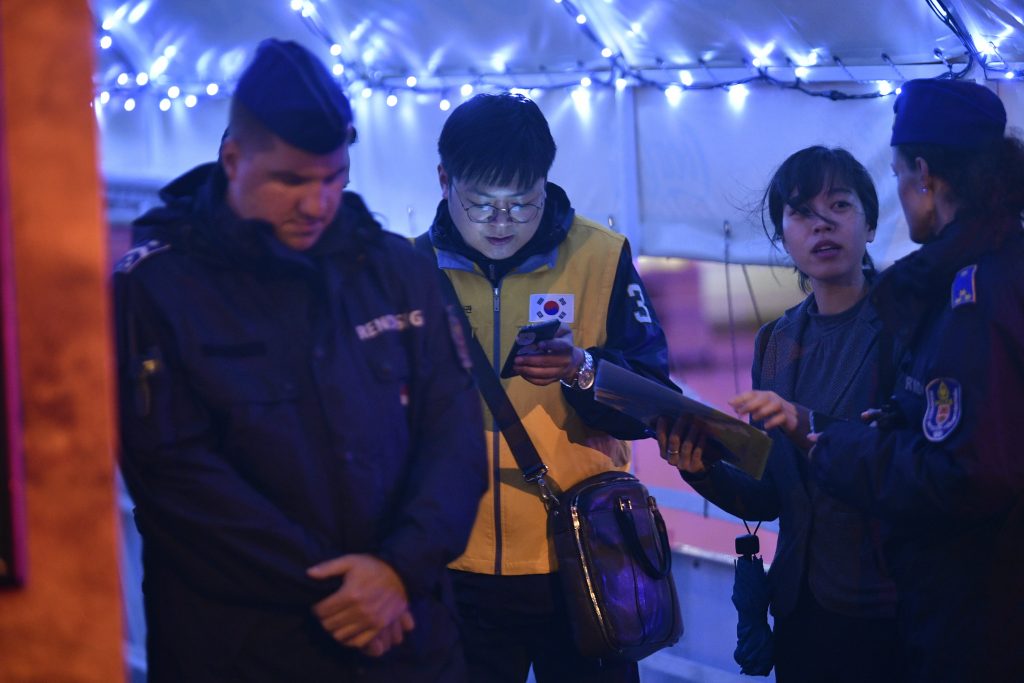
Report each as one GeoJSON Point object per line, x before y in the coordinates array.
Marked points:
{"type": "Point", "coordinates": [624, 514]}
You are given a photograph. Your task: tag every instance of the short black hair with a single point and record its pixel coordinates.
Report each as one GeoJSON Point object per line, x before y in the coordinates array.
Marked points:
{"type": "Point", "coordinates": [246, 130]}
{"type": "Point", "coordinates": [803, 175]}
{"type": "Point", "coordinates": [497, 140]}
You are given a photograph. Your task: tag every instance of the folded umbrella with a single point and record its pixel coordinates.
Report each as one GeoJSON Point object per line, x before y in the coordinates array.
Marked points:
{"type": "Point", "coordinates": [751, 595]}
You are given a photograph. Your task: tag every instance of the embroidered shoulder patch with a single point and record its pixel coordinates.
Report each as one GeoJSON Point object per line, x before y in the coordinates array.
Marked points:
{"type": "Point", "coordinates": [552, 307]}
{"type": "Point", "coordinates": [963, 291]}
{"type": "Point", "coordinates": [944, 408]}
{"type": "Point", "coordinates": [136, 255]}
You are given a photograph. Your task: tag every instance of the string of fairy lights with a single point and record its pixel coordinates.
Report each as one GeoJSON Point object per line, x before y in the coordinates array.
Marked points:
{"type": "Point", "coordinates": [127, 86]}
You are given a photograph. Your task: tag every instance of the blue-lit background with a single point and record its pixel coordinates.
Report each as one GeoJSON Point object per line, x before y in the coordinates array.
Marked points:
{"type": "Point", "coordinates": [669, 116]}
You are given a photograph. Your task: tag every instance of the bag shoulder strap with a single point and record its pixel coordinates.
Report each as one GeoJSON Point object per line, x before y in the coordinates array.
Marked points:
{"type": "Point", "coordinates": [763, 340]}
{"type": "Point", "coordinates": [523, 450]}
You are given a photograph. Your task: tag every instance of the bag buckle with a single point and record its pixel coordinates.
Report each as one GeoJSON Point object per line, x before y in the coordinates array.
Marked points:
{"type": "Point", "coordinates": [536, 476]}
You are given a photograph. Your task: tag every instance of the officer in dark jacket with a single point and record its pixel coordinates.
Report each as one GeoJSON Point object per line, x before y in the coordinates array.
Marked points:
{"type": "Point", "coordinates": [295, 412]}
{"type": "Point", "coordinates": [944, 466]}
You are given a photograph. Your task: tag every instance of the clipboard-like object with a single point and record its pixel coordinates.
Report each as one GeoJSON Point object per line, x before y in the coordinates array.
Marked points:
{"type": "Point", "coordinates": [747, 447]}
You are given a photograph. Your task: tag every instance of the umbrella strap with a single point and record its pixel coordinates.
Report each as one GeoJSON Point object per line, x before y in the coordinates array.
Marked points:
{"type": "Point", "coordinates": [747, 527]}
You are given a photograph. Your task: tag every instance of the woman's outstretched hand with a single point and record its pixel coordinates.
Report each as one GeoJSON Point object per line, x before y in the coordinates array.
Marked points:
{"type": "Point", "coordinates": [774, 411]}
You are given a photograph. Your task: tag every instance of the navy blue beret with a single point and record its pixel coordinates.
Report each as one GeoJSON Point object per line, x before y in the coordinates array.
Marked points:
{"type": "Point", "coordinates": [951, 113]}
{"type": "Point", "coordinates": [290, 91]}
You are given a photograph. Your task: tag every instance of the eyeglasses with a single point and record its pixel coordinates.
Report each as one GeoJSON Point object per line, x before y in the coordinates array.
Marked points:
{"type": "Point", "coordinates": [488, 213]}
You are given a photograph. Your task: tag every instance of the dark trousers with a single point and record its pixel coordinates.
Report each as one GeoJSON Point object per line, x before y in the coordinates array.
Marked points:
{"type": "Point", "coordinates": [814, 645]}
{"type": "Point", "coordinates": [508, 623]}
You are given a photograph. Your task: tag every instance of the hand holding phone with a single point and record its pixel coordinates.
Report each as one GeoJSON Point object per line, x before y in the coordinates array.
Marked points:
{"type": "Point", "coordinates": [526, 343]}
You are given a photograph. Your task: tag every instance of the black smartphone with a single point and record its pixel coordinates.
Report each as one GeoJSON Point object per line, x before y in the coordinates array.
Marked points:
{"type": "Point", "coordinates": [525, 343]}
{"type": "Point", "coordinates": [819, 422]}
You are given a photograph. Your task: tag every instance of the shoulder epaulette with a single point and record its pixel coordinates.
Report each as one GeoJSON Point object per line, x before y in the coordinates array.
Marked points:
{"type": "Point", "coordinates": [963, 290]}
{"type": "Point", "coordinates": [136, 255]}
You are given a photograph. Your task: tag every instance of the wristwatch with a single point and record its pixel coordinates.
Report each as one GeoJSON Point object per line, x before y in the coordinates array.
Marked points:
{"type": "Point", "coordinates": [584, 378]}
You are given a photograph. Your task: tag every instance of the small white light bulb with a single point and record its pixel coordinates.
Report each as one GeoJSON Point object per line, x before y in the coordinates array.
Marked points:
{"type": "Point", "coordinates": [738, 95]}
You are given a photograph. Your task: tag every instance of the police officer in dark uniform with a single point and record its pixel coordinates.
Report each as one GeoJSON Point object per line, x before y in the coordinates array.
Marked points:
{"type": "Point", "coordinates": [295, 412]}
{"type": "Point", "coordinates": [943, 466]}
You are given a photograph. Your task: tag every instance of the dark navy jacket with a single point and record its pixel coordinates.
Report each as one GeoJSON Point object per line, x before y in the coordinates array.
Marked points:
{"type": "Point", "coordinates": [783, 491]}
{"type": "Point", "coordinates": [280, 409]}
{"type": "Point", "coordinates": [949, 480]}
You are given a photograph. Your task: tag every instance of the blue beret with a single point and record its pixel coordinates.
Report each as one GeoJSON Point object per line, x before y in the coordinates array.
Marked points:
{"type": "Point", "coordinates": [290, 91]}
{"type": "Point", "coordinates": [951, 113]}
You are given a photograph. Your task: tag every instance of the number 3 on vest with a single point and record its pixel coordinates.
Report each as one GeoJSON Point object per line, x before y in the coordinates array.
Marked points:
{"type": "Point", "coordinates": [637, 294]}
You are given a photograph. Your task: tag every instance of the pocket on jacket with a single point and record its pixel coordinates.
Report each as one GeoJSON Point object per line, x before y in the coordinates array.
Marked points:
{"type": "Point", "coordinates": [224, 380]}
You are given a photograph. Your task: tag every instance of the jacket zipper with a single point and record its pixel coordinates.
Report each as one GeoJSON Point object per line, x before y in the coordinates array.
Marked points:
{"type": "Point", "coordinates": [495, 360]}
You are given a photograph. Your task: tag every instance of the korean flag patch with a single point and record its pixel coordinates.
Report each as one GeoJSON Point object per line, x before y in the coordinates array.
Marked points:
{"type": "Point", "coordinates": [552, 307]}
{"type": "Point", "coordinates": [944, 408]}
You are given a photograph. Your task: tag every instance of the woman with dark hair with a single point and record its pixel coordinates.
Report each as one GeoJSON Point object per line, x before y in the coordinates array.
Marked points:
{"type": "Point", "coordinates": [833, 602]}
{"type": "Point", "coordinates": [942, 465]}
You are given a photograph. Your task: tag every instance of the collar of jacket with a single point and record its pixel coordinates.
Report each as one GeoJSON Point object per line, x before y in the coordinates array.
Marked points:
{"type": "Point", "coordinates": [918, 284]}
{"type": "Point", "coordinates": [195, 217]}
{"type": "Point", "coordinates": [541, 250]}
{"type": "Point", "coordinates": [802, 311]}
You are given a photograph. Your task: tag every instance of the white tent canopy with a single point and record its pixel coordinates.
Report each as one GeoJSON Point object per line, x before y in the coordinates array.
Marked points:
{"type": "Point", "coordinates": [669, 154]}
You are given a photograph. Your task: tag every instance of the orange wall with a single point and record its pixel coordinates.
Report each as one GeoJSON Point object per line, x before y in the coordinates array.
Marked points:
{"type": "Point", "coordinates": [65, 623]}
